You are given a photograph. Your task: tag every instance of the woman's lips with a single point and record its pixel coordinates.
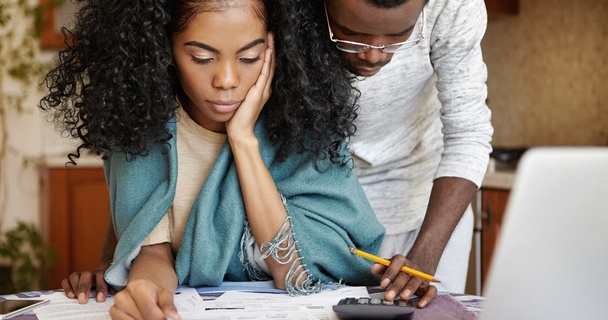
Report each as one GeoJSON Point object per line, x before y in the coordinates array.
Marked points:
{"type": "Point", "coordinates": [225, 107]}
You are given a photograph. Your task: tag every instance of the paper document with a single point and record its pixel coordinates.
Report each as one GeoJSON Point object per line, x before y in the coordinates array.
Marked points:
{"type": "Point", "coordinates": [233, 301]}
{"type": "Point", "coordinates": [236, 305]}
{"type": "Point", "coordinates": [62, 307]}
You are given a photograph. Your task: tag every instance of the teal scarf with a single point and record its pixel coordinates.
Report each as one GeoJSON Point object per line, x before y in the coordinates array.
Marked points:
{"type": "Point", "coordinates": [328, 213]}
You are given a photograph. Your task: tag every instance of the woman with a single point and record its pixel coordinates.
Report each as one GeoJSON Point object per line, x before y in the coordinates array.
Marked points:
{"type": "Point", "coordinates": [211, 177]}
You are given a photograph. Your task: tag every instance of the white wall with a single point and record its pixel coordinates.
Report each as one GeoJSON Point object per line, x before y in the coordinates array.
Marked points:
{"type": "Point", "coordinates": [31, 142]}
{"type": "Point", "coordinates": [23, 144]}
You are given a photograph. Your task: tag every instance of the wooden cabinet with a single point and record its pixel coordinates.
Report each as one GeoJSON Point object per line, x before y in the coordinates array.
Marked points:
{"type": "Point", "coordinates": [502, 7]}
{"type": "Point", "coordinates": [75, 209]}
{"type": "Point", "coordinates": [493, 205]}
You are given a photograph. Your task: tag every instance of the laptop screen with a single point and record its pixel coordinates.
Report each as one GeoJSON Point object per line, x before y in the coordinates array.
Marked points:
{"type": "Point", "coordinates": [551, 259]}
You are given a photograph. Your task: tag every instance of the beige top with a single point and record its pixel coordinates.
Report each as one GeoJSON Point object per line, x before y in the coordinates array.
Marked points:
{"type": "Point", "coordinates": [197, 149]}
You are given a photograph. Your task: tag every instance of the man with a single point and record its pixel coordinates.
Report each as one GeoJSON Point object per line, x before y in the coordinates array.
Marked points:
{"type": "Point", "coordinates": [423, 131]}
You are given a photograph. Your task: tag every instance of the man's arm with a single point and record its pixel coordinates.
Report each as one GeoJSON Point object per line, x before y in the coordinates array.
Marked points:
{"type": "Point", "coordinates": [79, 284]}
{"type": "Point", "coordinates": [448, 202]}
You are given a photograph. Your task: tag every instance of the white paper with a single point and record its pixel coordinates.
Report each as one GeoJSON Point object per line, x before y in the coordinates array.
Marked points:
{"type": "Point", "coordinates": [63, 308]}
{"type": "Point", "coordinates": [264, 303]}
{"type": "Point", "coordinates": [237, 305]}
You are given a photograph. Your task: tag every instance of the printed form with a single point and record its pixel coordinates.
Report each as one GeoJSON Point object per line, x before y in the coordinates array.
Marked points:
{"type": "Point", "coordinates": [226, 303]}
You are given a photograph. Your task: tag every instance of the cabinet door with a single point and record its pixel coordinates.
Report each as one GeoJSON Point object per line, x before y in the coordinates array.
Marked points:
{"type": "Point", "coordinates": [493, 204]}
{"type": "Point", "coordinates": [75, 212]}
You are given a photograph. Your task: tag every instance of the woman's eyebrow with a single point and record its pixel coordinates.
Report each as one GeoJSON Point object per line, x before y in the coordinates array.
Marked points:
{"type": "Point", "coordinates": [214, 50]}
{"type": "Point", "coordinates": [202, 46]}
{"type": "Point", "coordinates": [252, 44]}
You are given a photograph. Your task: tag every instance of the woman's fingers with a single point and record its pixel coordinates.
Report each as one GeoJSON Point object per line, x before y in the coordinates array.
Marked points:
{"type": "Point", "coordinates": [144, 300]}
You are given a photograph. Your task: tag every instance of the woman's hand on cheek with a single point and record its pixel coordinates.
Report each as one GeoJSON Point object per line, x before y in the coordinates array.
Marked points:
{"type": "Point", "coordinates": [244, 119]}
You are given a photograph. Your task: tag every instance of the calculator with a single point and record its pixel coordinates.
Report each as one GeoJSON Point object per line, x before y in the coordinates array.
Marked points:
{"type": "Point", "coordinates": [373, 308]}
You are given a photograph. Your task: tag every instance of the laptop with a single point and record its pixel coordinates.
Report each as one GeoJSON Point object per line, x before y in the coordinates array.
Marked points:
{"type": "Point", "coordinates": [551, 258]}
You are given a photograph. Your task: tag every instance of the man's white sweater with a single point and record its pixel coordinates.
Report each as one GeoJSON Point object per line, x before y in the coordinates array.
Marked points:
{"type": "Point", "coordinates": [424, 116]}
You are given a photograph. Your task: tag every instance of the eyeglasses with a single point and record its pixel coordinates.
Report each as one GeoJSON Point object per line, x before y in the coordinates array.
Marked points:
{"type": "Point", "coordinates": [357, 47]}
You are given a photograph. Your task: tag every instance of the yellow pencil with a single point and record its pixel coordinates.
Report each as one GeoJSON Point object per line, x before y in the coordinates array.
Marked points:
{"type": "Point", "coordinates": [385, 262]}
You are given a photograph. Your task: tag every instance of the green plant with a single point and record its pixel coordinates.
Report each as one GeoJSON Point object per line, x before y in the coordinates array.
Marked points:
{"type": "Point", "coordinates": [29, 256]}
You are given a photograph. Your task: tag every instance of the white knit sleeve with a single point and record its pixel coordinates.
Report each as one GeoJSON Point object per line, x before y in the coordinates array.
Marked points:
{"type": "Point", "coordinates": [461, 82]}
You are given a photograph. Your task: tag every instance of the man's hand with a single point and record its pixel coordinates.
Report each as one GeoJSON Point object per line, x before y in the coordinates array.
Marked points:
{"type": "Point", "coordinates": [400, 283]}
{"type": "Point", "coordinates": [79, 285]}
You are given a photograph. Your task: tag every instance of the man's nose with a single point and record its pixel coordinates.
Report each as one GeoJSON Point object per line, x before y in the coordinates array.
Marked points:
{"type": "Point", "coordinates": [372, 56]}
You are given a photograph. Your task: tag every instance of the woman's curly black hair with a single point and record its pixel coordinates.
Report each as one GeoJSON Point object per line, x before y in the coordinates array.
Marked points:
{"type": "Point", "coordinates": [114, 87]}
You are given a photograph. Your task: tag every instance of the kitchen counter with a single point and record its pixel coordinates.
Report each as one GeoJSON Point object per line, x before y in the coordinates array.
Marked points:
{"type": "Point", "coordinates": [502, 179]}
{"type": "Point", "coordinates": [497, 177]}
